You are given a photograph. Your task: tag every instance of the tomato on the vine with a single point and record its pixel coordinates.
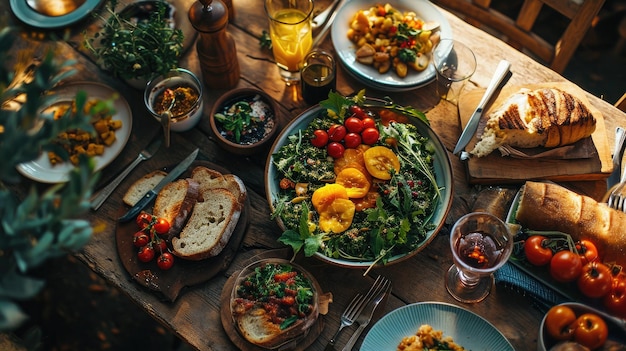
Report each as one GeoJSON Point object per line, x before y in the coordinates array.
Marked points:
{"type": "Point", "coordinates": [358, 111]}
{"type": "Point", "coordinates": [535, 250]}
{"type": "Point", "coordinates": [368, 122]}
{"type": "Point", "coordinates": [159, 245]}
{"type": "Point", "coordinates": [161, 226]}
{"type": "Point", "coordinates": [335, 149]}
{"type": "Point", "coordinates": [353, 124]}
{"type": "Point", "coordinates": [320, 138]}
{"type": "Point", "coordinates": [140, 239]}
{"type": "Point", "coordinates": [143, 219]}
{"type": "Point", "coordinates": [565, 266]}
{"type": "Point", "coordinates": [146, 253]}
{"type": "Point", "coordinates": [591, 331]}
{"type": "Point", "coordinates": [615, 300]}
{"type": "Point", "coordinates": [595, 280]}
{"type": "Point", "coordinates": [337, 132]}
{"type": "Point", "coordinates": [352, 140]}
{"type": "Point", "coordinates": [587, 250]}
{"type": "Point", "coordinates": [370, 136]}
{"type": "Point", "coordinates": [560, 322]}
{"type": "Point", "coordinates": [165, 261]}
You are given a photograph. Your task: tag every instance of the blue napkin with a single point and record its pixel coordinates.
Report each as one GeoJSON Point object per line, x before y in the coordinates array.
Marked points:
{"type": "Point", "coordinates": [543, 297]}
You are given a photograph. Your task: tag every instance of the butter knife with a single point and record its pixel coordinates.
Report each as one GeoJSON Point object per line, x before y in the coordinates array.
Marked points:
{"type": "Point", "coordinates": [151, 195]}
{"type": "Point", "coordinates": [472, 124]}
{"type": "Point", "coordinates": [366, 315]}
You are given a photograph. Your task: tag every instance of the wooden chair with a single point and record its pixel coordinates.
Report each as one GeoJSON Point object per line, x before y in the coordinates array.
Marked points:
{"type": "Point", "coordinates": [518, 31]}
{"type": "Point", "coordinates": [621, 103]}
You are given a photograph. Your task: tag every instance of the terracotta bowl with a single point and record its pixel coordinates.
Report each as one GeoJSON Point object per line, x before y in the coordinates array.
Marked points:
{"type": "Point", "coordinates": [246, 146]}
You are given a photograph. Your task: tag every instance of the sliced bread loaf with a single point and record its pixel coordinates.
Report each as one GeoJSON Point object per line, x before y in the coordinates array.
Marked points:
{"type": "Point", "coordinates": [141, 187]}
{"type": "Point", "coordinates": [175, 203]}
{"type": "Point", "coordinates": [212, 179]}
{"type": "Point", "coordinates": [209, 227]}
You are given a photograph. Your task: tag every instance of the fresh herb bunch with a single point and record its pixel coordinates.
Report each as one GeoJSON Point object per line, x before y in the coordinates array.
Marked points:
{"type": "Point", "coordinates": [137, 49]}
{"type": "Point", "coordinates": [239, 120]}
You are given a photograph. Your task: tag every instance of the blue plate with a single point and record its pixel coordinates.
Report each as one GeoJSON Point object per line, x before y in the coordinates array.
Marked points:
{"type": "Point", "coordinates": [466, 328]}
{"type": "Point", "coordinates": [32, 17]}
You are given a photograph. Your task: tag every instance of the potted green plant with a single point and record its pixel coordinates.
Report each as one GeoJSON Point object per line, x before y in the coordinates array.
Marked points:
{"type": "Point", "coordinates": [138, 43]}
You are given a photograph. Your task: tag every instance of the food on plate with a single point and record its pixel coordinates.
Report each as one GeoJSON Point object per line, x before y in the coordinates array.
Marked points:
{"type": "Point", "coordinates": [546, 117]}
{"type": "Point", "coordinates": [427, 338]}
{"type": "Point", "coordinates": [175, 202]}
{"type": "Point", "coordinates": [139, 188]}
{"type": "Point", "coordinates": [76, 141]}
{"type": "Point", "coordinates": [387, 38]}
{"type": "Point", "coordinates": [587, 329]}
{"type": "Point", "coordinates": [150, 242]}
{"type": "Point", "coordinates": [273, 302]}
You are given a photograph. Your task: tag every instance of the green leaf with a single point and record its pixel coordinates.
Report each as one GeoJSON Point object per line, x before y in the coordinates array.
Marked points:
{"type": "Point", "coordinates": [292, 238]}
{"type": "Point", "coordinates": [313, 243]}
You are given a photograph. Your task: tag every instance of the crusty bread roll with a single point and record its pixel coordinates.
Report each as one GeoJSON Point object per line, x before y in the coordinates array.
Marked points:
{"type": "Point", "coordinates": [211, 179]}
{"type": "Point", "coordinates": [209, 227]}
{"type": "Point", "coordinates": [548, 206]}
{"type": "Point", "coordinates": [141, 187]}
{"type": "Point", "coordinates": [175, 203]}
{"type": "Point", "coordinates": [546, 117]}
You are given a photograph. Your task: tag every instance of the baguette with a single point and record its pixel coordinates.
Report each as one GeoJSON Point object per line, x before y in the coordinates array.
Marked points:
{"type": "Point", "coordinates": [175, 203]}
{"type": "Point", "coordinates": [209, 227]}
{"type": "Point", "coordinates": [548, 206]}
{"type": "Point", "coordinates": [140, 187]}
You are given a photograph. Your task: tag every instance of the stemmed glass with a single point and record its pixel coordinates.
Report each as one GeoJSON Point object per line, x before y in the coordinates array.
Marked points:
{"type": "Point", "coordinates": [454, 64]}
{"type": "Point", "coordinates": [481, 243]}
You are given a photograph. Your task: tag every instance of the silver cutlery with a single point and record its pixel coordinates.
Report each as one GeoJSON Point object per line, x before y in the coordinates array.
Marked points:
{"type": "Point", "coordinates": [104, 194]}
{"type": "Point", "coordinates": [617, 197]}
{"type": "Point", "coordinates": [321, 18]}
{"type": "Point", "coordinates": [383, 287]}
{"type": "Point", "coordinates": [618, 153]}
{"type": "Point", "coordinates": [328, 24]}
{"type": "Point", "coordinates": [348, 317]}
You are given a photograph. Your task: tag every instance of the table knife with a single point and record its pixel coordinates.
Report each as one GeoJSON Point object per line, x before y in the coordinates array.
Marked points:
{"type": "Point", "coordinates": [151, 195]}
{"type": "Point", "coordinates": [472, 124]}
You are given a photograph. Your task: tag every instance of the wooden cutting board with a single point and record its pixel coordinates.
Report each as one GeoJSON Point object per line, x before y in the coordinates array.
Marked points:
{"type": "Point", "coordinates": [498, 169]}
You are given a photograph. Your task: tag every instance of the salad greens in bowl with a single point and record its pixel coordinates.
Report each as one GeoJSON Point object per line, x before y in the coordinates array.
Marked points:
{"type": "Point", "coordinates": [359, 182]}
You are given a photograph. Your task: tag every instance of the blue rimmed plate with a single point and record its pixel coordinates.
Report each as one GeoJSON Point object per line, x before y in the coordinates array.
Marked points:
{"type": "Point", "coordinates": [466, 328]}
{"type": "Point", "coordinates": [32, 17]}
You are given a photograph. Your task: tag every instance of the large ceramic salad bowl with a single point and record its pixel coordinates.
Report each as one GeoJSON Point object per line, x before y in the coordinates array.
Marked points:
{"type": "Point", "coordinates": [433, 217]}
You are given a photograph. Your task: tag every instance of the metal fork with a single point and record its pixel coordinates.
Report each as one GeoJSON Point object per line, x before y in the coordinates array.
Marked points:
{"type": "Point", "coordinates": [348, 317]}
{"type": "Point", "coordinates": [617, 199]}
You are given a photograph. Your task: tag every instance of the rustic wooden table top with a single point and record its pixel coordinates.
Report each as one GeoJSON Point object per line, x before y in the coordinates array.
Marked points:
{"type": "Point", "coordinates": [195, 315]}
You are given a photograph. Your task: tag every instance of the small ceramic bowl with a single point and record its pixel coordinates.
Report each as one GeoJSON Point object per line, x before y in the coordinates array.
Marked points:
{"type": "Point", "coordinates": [186, 89]}
{"type": "Point", "coordinates": [258, 293]}
{"type": "Point", "coordinates": [614, 325]}
{"type": "Point", "coordinates": [259, 134]}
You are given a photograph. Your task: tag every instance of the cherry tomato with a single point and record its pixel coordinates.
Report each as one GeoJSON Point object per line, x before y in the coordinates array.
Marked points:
{"type": "Point", "coordinates": [615, 300]}
{"type": "Point", "coordinates": [143, 219]}
{"type": "Point", "coordinates": [587, 250]}
{"type": "Point", "coordinates": [370, 136]}
{"type": "Point", "coordinates": [146, 253]}
{"type": "Point", "coordinates": [140, 239]}
{"type": "Point", "coordinates": [353, 124]}
{"type": "Point", "coordinates": [335, 149]}
{"type": "Point", "coordinates": [320, 138]}
{"type": "Point", "coordinates": [159, 245]}
{"type": "Point", "coordinates": [352, 140]}
{"type": "Point", "coordinates": [337, 132]}
{"type": "Point", "coordinates": [536, 253]}
{"type": "Point", "coordinates": [560, 322]}
{"type": "Point", "coordinates": [368, 122]}
{"type": "Point", "coordinates": [161, 226]}
{"type": "Point", "coordinates": [565, 266]}
{"type": "Point", "coordinates": [591, 331]}
{"type": "Point", "coordinates": [165, 261]}
{"type": "Point", "coordinates": [596, 280]}
{"type": "Point", "coordinates": [357, 111]}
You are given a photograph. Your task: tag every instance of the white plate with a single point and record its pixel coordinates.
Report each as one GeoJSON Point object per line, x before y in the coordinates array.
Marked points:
{"type": "Point", "coordinates": [346, 50]}
{"type": "Point", "coordinates": [42, 171]}
{"type": "Point", "coordinates": [32, 17]}
{"type": "Point", "coordinates": [466, 328]}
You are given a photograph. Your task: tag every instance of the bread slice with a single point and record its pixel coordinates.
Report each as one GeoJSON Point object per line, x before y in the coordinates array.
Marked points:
{"type": "Point", "coordinates": [212, 179]}
{"type": "Point", "coordinates": [141, 187]}
{"type": "Point", "coordinates": [209, 227]}
{"type": "Point", "coordinates": [175, 203]}
{"type": "Point", "coordinates": [257, 328]}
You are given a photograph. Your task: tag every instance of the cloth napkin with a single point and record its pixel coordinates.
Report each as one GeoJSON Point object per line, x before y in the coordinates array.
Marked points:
{"type": "Point", "coordinates": [543, 297]}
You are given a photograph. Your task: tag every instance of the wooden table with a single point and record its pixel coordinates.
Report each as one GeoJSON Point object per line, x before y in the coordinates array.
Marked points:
{"type": "Point", "coordinates": [195, 315]}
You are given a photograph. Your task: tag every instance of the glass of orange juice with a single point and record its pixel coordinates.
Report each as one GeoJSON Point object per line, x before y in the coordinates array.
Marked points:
{"type": "Point", "coordinates": [291, 34]}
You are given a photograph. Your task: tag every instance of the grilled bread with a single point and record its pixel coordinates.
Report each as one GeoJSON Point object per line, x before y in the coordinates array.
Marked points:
{"type": "Point", "coordinates": [175, 202]}
{"type": "Point", "coordinates": [546, 117]}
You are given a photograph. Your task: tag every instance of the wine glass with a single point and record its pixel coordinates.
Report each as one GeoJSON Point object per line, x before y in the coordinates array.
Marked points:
{"type": "Point", "coordinates": [481, 243]}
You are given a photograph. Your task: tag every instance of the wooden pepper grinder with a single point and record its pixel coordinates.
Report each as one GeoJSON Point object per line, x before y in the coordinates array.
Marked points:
{"type": "Point", "coordinates": [216, 48]}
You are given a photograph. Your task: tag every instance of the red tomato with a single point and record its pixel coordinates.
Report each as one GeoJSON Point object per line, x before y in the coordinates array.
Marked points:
{"type": "Point", "coordinates": [370, 136]}
{"type": "Point", "coordinates": [161, 226]}
{"type": "Point", "coordinates": [146, 253]}
{"type": "Point", "coordinates": [165, 261]}
{"type": "Point", "coordinates": [615, 300]}
{"type": "Point", "coordinates": [143, 219]}
{"type": "Point", "coordinates": [357, 111]}
{"type": "Point", "coordinates": [335, 149]}
{"type": "Point", "coordinates": [353, 124]}
{"type": "Point", "coordinates": [159, 245]}
{"type": "Point", "coordinates": [337, 132]}
{"type": "Point", "coordinates": [595, 280]}
{"type": "Point", "coordinates": [140, 239]}
{"type": "Point", "coordinates": [565, 266]}
{"type": "Point", "coordinates": [352, 140]}
{"type": "Point", "coordinates": [591, 331]}
{"type": "Point", "coordinates": [536, 251]}
{"type": "Point", "coordinates": [320, 138]}
{"type": "Point", "coordinates": [368, 122]}
{"type": "Point", "coordinates": [587, 250]}
{"type": "Point", "coordinates": [560, 322]}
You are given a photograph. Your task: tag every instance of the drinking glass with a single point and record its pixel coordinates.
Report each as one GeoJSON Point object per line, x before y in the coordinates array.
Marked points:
{"type": "Point", "coordinates": [454, 63]}
{"type": "Point", "coordinates": [318, 76]}
{"type": "Point", "coordinates": [291, 34]}
{"type": "Point", "coordinates": [481, 243]}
